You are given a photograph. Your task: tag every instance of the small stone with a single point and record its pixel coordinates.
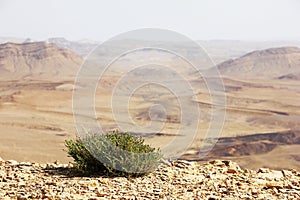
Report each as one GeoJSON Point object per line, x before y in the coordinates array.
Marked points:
{"type": "Point", "coordinates": [49, 165]}
{"type": "Point", "coordinates": [245, 197]}
{"type": "Point", "coordinates": [103, 181]}
{"type": "Point", "coordinates": [12, 162]}
{"type": "Point", "coordinates": [94, 198]}
{"type": "Point", "coordinates": [92, 186]}
{"type": "Point", "coordinates": [274, 184]}
{"type": "Point", "coordinates": [213, 197]}
{"type": "Point", "coordinates": [232, 170]}
{"type": "Point", "coordinates": [232, 166]}
{"type": "Point", "coordinates": [265, 196]}
{"type": "Point", "coordinates": [101, 194]}
{"type": "Point", "coordinates": [82, 183]}
{"type": "Point", "coordinates": [264, 170]}
{"type": "Point", "coordinates": [25, 163]}
{"type": "Point", "coordinates": [21, 184]}
{"type": "Point", "coordinates": [260, 181]}
{"type": "Point", "coordinates": [2, 174]}
{"type": "Point", "coordinates": [22, 197]}
{"type": "Point", "coordinates": [287, 173]}
{"type": "Point", "coordinates": [273, 174]}
{"type": "Point", "coordinates": [254, 191]}
{"type": "Point", "coordinates": [216, 162]}
{"type": "Point", "coordinates": [56, 162]}
{"type": "Point", "coordinates": [43, 166]}
{"type": "Point", "coordinates": [2, 162]}
{"type": "Point", "coordinates": [275, 190]}
{"type": "Point", "coordinates": [182, 164]}
{"type": "Point", "coordinates": [166, 162]}
{"type": "Point", "coordinates": [70, 165]}
{"type": "Point", "coordinates": [217, 176]}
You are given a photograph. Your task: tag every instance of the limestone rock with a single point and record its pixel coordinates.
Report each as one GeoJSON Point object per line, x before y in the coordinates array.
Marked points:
{"type": "Point", "coordinates": [287, 173]}
{"type": "Point", "coordinates": [264, 170]}
{"type": "Point", "coordinates": [174, 180]}
{"type": "Point", "coordinates": [273, 174]}
{"type": "Point", "coordinates": [12, 162]}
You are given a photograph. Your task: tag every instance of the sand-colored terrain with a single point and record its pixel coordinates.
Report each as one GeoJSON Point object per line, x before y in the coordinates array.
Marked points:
{"type": "Point", "coordinates": [261, 127]}
{"type": "Point", "coordinates": [36, 118]}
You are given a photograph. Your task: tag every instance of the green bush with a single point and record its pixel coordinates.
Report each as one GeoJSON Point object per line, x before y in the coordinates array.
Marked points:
{"type": "Point", "coordinates": [118, 154]}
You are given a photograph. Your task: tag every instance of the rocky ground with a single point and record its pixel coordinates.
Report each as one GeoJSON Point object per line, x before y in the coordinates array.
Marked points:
{"type": "Point", "coordinates": [172, 180]}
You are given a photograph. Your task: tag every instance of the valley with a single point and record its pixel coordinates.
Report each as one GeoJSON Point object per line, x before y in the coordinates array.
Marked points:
{"type": "Point", "coordinates": [261, 128]}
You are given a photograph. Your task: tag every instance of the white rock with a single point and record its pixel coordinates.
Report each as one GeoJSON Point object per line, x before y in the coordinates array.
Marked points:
{"type": "Point", "coordinates": [264, 170]}
{"type": "Point", "coordinates": [273, 174]}
{"type": "Point", "coordinates": [213, 197]}
{"type": "Point", "coordinates": [22, 197]}
{"type": "Point", "coordinates": [166, 162]}
{"type": "Point", "coordinates": [2, 174]}
{"type": "Point", "coordinates": [12, 162]}
{"type": "Point", "coordinates": [25, 163]}
{"type": "Point", "coordinates": [274, 184]}
{"type": "Point", "coordinates": [287, 173]}
{"type": "Point", "coordinates": [182, 163]}
{"type": "Point", "coordinates": [245, 197]}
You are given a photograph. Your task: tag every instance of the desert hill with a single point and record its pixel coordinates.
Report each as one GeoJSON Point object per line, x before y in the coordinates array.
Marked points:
{"type": "Point", "coordinates": [283, 62]}
{"type": "Point", "coordinates": [83, 47]}
{"type": "Point", "coordinates": [37, 60]}
{"type": "Point", "coordinates": [262, 118]}
{"type": "Point", "coordinates": [36, 100]}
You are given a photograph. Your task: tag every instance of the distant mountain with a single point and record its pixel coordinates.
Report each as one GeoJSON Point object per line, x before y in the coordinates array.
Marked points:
{"type": "Point", "coordinates": [37, 60]}
{"type": "Point", "coordinates": [281, 63]}
{"type": "Point", "coordinates": [290, 76]}
{"type": "Point", "coordinates": [11, 39]}
{"type": "Point", "coordinates": [218, 50]}
{"type": "Point", "coordinates": [82, 47]}
{"type": "Point", "coordinates": [222, 50]}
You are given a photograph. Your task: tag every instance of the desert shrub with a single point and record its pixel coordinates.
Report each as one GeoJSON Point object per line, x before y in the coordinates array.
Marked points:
{"type": "Point", "coordinates": [118, 154]}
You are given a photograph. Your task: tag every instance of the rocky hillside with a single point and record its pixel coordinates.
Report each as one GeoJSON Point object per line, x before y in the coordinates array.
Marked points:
{"type": "Point", "coordinates": [83, 48]}
{"type": "Point", "coordinates": [172, 180]}
{"type": "Point", "coordinates": [37, 60]}
{"type": "Point", "coordinates": [264, 64]}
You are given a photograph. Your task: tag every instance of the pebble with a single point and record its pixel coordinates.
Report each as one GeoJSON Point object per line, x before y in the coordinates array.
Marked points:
{"type": "Point", "coordinates": [264, 170]}
{"type": "Point", "coordinates": [12, 162]}
{"type": "Point", "coordinates": [287, 173]}
{"type": "Point", "coordinates": [273, 174]}
{"type": "Point", "coordinates": [172, 180]}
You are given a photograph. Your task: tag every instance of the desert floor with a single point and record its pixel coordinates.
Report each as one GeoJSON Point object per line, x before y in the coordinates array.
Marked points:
{"type": "Point", "coordinates": [260, 129]}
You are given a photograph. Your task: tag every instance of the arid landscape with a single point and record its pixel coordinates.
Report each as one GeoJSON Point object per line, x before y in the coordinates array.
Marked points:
{"type": "Point", "coordinates": [262, 87]}
{"type": "Point", "coordinates": [150, 99]}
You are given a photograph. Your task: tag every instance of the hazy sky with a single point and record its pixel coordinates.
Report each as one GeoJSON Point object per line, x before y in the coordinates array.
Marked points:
{"type": "Point", "coordinates": [197, 19]}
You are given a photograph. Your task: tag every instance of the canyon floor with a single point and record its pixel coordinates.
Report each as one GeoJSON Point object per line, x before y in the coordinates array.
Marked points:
{"type": "Point", "coordinates": [261, 128]}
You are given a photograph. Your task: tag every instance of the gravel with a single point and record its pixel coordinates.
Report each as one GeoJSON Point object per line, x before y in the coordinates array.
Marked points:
{"type": "Point", "coordinates": [172, 180]}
